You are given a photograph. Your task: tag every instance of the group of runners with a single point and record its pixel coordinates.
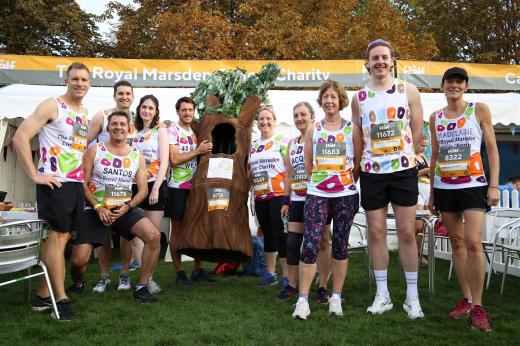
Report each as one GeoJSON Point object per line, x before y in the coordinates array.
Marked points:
{"type": "Point", "coordinates": [126, 171]}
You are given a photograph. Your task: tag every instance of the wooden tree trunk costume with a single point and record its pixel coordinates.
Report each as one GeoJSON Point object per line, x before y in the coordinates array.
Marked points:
{"type": "Point", "coordinates": [215, 226]}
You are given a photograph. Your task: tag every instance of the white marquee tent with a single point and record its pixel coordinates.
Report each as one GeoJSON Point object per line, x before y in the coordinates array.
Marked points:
{"type": "Point", "coordinates": [18, 101]}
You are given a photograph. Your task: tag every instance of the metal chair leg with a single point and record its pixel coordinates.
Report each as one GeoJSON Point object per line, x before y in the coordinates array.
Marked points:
{"type": "Point", "coordinates": [504, 274]}
{"type": "Point", "coordinates": [49, 287]}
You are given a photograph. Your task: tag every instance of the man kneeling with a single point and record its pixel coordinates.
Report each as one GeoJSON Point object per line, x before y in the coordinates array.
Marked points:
{"type": "Point", "coordinates": [110, 169]}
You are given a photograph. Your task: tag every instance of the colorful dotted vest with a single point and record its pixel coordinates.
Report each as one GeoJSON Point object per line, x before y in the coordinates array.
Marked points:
{"type": "Point", "coordinates": [298, 178]}
{"type": "Point", "coordinates": [459, 164]}
{"type": "Point", "coordinates": [266, 158]}
{"type": "Point", "coordinates": [333, 155]}
{"type": "Point", "coordinates": [147, 143]}
{"type": "Point", "coordinates": [387, 136]}
{"type": "Point", "coordinates": [180, 176]}
{"type": "Point", "coordinates": [112, 176]}
{"type": "Point", "coordinates": [62, 144]}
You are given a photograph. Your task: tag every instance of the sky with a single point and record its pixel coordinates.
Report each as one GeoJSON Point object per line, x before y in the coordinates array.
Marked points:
{"type": "Point", "coordinates": [97, 7]}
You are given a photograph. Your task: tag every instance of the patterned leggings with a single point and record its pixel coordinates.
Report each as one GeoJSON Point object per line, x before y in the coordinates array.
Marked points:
{"type": "Point", "coordinates": [315, 217]}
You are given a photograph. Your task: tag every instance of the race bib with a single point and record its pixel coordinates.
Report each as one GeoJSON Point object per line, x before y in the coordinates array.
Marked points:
{"type": "Point", "coordinates": [454, 162]}
{"type": "Point", "coordinates": [218, 198]}
{"type": "Point", "coordinates": [79, 140]}
{"type": "Point", "coordinates": [299, 180]}
{"type": "Point", "coordinates": [331, 156]}
{"type": "Point", "coordinates": [116, 195]}
{"type": "Point", "coordinates": [261, 183]}
{"type": "Point", "coordinates": [386, 138]}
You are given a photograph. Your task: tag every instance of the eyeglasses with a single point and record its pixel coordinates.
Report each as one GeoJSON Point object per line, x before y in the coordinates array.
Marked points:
{"type": "Point", "coordinates": [379, 40]}
{"type": "Point", "coordinates": [262, 105]}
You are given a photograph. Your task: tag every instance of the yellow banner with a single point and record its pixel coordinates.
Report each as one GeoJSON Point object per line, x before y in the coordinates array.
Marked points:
{"type": "Point", "coordinates": [295, 73]}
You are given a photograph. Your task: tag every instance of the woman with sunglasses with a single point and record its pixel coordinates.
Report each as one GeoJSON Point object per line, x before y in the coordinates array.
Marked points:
{"type": "Point", "coordinates": [266, 161]}
{"type": "Point", "coordinates": [332, 152]}
{"type": "Point", "coordinates": [293, 205]}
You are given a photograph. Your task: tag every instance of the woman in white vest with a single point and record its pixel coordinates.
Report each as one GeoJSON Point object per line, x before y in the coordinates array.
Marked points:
{"type": "Point", "coordinates": [460, 190]}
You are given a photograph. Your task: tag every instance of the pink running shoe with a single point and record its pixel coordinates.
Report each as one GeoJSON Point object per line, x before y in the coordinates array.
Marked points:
{"type": "Point", "coordinates": [462, 309]}
{"type": "Point", "coordinates": [480, 318]}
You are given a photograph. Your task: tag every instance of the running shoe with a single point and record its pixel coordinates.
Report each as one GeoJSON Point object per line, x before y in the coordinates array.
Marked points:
{"type": "Point", "coordinates": [40, 304]}
{"type": "Point", "coordinates": [182, 279]}
{"type": "Point", "coordinates": [124, 283]}
{"type": "Point", "coordinates": [301, 310]}
{"type": "Point", "coordinates": [143, 295]}
{"type": "Point", "coordinates": [322, 295]}
{"type": "Point", "coordinates": [102, 284]}
{"type": "Point", "coordinates": [116, 267]}
{"type": "Point", "coordinates": [462, 310]}
{"type": "Point", "coordinates": [65, 310]}
{"type": "Point", "coordinates": [199, 275]}
{"type": "Point", "coordinates": [268, 280]}
{"type": "Point", "coordinates": [284, 283]}
{"type": "Point", "coordinates": [381, 304]}
{"type": "Point", "coordinates": [480, 318]}
{"type": "Point", "coordinates": [413, 308]}
{"type": "Point", "coordinates": [153, 286]}
{"type": "Point", "coordinates": [134, 265]}
{"type": "Point", "coordinates": [335, 308]}
{"type": "Point", "coordinates": [287, 292]}
{"type": "Point", "coordinates": [75, 290]}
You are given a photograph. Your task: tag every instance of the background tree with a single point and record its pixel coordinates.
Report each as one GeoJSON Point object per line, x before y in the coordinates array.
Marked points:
{"type": "Point", "coordinates": [45, 27]}
{"type": "Point", "coordinates": [470, 30]}
{"type": "Point", "coordinates": [258, 29]}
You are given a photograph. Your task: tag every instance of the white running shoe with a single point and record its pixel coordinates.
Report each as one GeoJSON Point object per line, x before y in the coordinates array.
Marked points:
{"type": "Point", "coordinates": [101, 285]}
{"type": "Point", "coordinates": [153, 286]}
{"type": "Point", "coordinates": [124, 283]}
{"type": "Point", "coordinates": [335, 308]}
{"type": "Point", "coordinates": [381, 304]}
{"type": "Point", "coordinates": [413, 308]}
{"type": "Point", "coordinates": [302, 310]}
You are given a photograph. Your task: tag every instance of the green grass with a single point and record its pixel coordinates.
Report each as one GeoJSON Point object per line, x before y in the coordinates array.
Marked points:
{"type": "Point", "coordinates": [235, 311]}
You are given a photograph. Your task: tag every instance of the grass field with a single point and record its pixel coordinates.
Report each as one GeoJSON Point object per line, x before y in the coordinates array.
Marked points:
{"type": "Point", "coordinates": [234, 311]}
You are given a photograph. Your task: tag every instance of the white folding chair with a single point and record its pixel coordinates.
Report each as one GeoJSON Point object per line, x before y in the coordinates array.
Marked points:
{"type": "Point", "coordinates": [503, 220]}
{"type": "Point", "coordinates": [20, 249]}
{"type": "Point", "coordinates": [511, 248]}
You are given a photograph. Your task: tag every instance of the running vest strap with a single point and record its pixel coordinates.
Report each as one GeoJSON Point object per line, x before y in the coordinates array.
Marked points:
{"type": "Point", "coordinates": [387, 136]}
{"type": "Point", "coordinates": [147, 143]}
{"type": "Point", "coordinates": [298, 178]}
{"type": "Point", "coordinates": [112, 176]}
{"type": "Point", "coordinates": [180, 176]}
{"type": "Point", "coordinates": [63, 142]}
{"type": "Point", "coordinates": [333, 154]}
{"type": "Point", "coordinates": [266, 158]}
{"type": "Point", "coordinates": [459, 164]}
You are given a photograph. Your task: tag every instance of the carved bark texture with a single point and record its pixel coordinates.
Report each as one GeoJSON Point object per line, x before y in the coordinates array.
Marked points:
{"type": "Point", "coordinates": [220, 235]}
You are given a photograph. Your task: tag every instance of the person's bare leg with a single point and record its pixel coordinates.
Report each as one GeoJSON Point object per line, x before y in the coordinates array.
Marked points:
{"type": "Point", "coordinates": [377, 232]}
{"type": "Point", "coordinates": [306, 275]}
{"type": "Point", "coordinates": [270, 261]}
{"type": "Point", "coordinates": [54, 259]}
{"type": "Point", "coordinates": [339, 273]}
{"type": "Point", "coordinates": [455, 226]}
{"type": "Point", "coordinates": [103, 253]}
{"type": "Point", "coordinates": [78, 262]}
{"type": "Point", "coordinates": [125, 247]}
{"type": "Point", "coordinates": [405, 225]}
{"type": "Point", "coordinates": [137, 249]}
{"type": "Point", "coordinates": [176, 256]}
{"type": "Point", "coordinates": [146, 231]}
{"type": "Point", "coordinates": [155, 217]}
{"type": "Point", "coordinates": [475, 268]}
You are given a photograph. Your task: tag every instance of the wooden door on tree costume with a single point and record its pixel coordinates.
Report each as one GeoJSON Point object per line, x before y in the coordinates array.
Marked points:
{"type": "Point", "coordinates": [215, 226]}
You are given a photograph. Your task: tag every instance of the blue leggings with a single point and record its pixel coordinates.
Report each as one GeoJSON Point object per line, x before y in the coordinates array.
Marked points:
{"type": "Point", "coordinates": [316, 210]}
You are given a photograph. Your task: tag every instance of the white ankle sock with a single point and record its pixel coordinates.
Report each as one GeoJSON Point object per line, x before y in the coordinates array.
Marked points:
{"type": "Point", "coordinates": [411, 284]}
{"type": "Point", "coordinates": [381, 281]}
